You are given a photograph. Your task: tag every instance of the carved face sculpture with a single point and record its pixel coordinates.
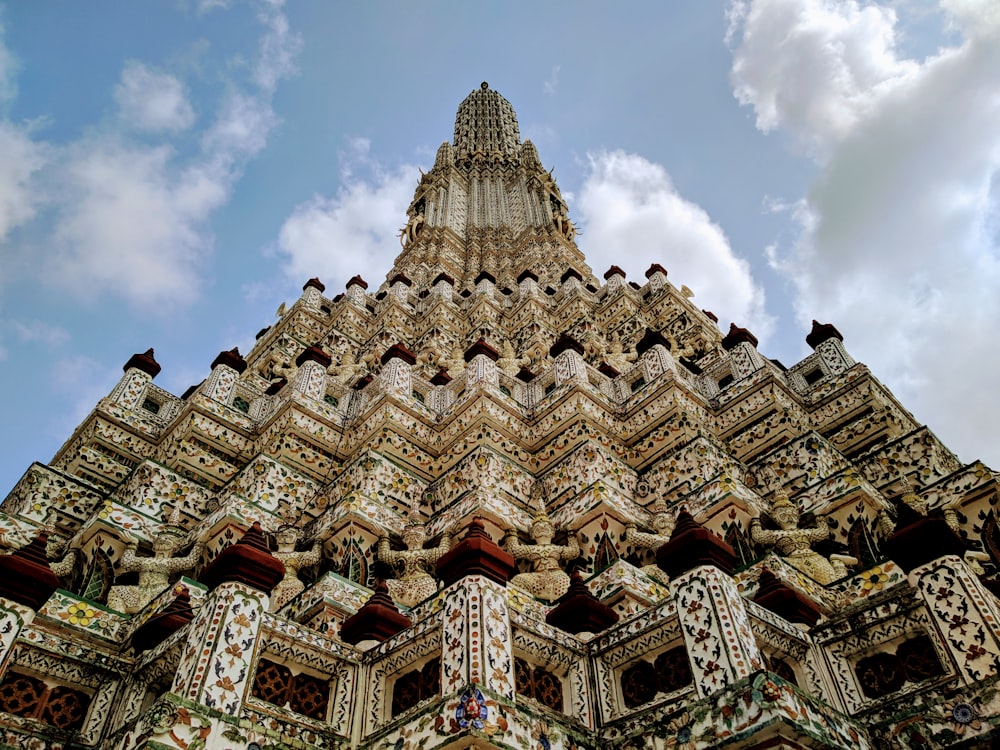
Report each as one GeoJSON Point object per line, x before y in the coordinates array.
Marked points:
{"type": "Point", "coordinates": [286, 539]}
{"type": "Point", "coordinates": [663, 523]}
{"type": "Point", "coordinates": [165, 543]}
{"type": "Point", "coordinates": [542, 531]}
{"type": "Point", "coordinates": [413, 536]}
{"type": "Point", "coordinates": [786, 516]}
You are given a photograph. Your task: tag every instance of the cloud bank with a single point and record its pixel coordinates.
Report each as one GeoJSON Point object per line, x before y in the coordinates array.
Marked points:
{"type": "Point", "coordinates": [898, 235]}
{"type": "Point", "coordinates": [632, 216]}
{"type": "Point", "coordinates": [128, 205]}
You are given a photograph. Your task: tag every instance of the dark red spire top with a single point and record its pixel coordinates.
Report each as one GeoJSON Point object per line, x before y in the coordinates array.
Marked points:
{"type": "Point", "coordinates": [144, 362]}
{"type": "Point", "coordinates": [485, 276]}
{"type": "Point", "coordinates": [481, 347]}
{"type": "Point", "coordinates": [571, 273]}
{"type": "Point", "coordinates": [232, 359]}
{"type": "Point", "coordinates": [477, 554]}
{"type": "Point", "coordinates": [314, 354]}
{"type": "Point", "coordinates": [441, 377]}
{"type": "Point", "coordinates": [821, 332]}
{"type": "Point", "coordinates": [316, 283]}
{"type": "Point", "coordinates": [248, 561]}
{"type": "Point", "coordinates": [377, 620]}
{"type": "Point", "coordinates": [563, 343]}
{"type": "Point", "coordinates": [776, 595]}
{"type": "Point", "coordinates": [357, 281]}
{"type": "Point", "coordinates": [692, 545]}
{"type": "Point", "coordinates": [443, 277]}
{"type": "Point", "coordinates": [400, 278]}
{"type": "Point", "coordinates": [579, 611]}
{"type": "Point", "coordinates": [398, 351]}
{"type": "Point", "coordinates": [650, 339]}
{"type": "Point", "coordinates": [736, 336]}
{"type": "Point", "coordinates": [25, 575]}
{"type": "Point", "coordinates": [527, 273]}
{"type": "Point", "coordinates": [655, 268]}
{"type": "Point", "coordinates": [613, 271]}
{"type": "Point", "coordinates": [158, 627]}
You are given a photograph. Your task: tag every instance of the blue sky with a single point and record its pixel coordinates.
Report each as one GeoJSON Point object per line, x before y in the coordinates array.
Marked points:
{"type": "Point", "coordinates": [171, 172]}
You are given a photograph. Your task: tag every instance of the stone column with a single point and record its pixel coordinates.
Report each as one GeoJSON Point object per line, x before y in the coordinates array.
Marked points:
{"type": "Point", "coordinates": [527, 284]}
{"type": "Point", "coordinates": [215, 666]}
{"type": "Point", "coordinates": [486, 284]}
{"type": "Point", "coordinates": [964, 613]}
{"type": "Point", "coordinates": [828, 342]}
{"type": "Point", "coordinates": [139, 372]}
{"type": "Point", "coordinates": [356, 291]}
{"type": "Point", "coordinates": [399, 287]}
{"type": "Point", "coordinates": [476, 642]}
{"type": "Point", "coordinates": [396, 376]}
{"type": "Point", "coordinates": [444, 286]}
{"type": "Point", "coordinates": [657, 276]}
{"type": "Point", "coordinates": [310, 378]}
{"type": "Point", "coordinates": [312, 294]}
{"type": "Point", "coordinates": [743, 355]}
{"type": "Point", "coordinates": [655, 352]}
{"type": "Point", "coordinates": [720, 644]}
{"type": "Point", "coordinates": [482, 365]}
{"type": "Point", "coordinates": [615, 278]}
{"type": "Point", "coordinates": [568, 355]}
{"type": "Point", "coordinates": [226, 370]}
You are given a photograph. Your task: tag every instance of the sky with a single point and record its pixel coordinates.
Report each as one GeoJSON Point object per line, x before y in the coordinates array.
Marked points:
{"type": "Point", "coordinates": [171, 172]}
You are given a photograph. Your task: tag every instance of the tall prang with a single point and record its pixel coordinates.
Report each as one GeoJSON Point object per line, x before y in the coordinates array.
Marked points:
{"type": "Point", "coordinates": [488, 206]}
{"type": "Point", "coordinates": [499, 503]}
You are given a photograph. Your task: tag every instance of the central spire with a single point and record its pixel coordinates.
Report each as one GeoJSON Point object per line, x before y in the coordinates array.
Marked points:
{"type": "Point", "coordinates": [488, 206]}
{"type": "Point", "coordinates": [486, 124]}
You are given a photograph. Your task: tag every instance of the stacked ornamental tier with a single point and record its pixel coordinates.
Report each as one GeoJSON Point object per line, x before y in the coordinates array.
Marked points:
{"type": "Point", "coordinates": [498, 502]}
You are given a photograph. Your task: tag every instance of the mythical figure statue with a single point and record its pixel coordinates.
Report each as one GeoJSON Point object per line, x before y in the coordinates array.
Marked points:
{"type": "Point", "coordinates": [283, 371]}
{"type": "Point", "coordinates": [455, 363]}
{"type": "Point", "coordinates": [348, 369]}
{"type": "Point", "coordinates": [154, 572]}
{"type": "Point", "coordinates": [290, 586]}
{"type": "Point", "coordinates": [548, 581]}
{"type": "Point", "coordinates": [663, 525]}
{"type": "Point", "coordinates": [795, 544]}
{"type": "Point", "coordinates": [62, 561]}
{"type": "Point", "coordinates": [618, 358]}
{"type": "Point", "coordinates": [509, 362]}
{"type": "Point", "coordinates": [411, 230]}
{"type": "Point", "coordinates": [414, 563]}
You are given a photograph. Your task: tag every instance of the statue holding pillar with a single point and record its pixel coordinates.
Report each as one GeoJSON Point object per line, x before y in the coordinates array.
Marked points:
{"type": "Point", "coordinates": [155, 573]}
{"type": "Point", "coordinates": [291, 585]}
{"type": "Point", "coordinates": [663, 526]}
{"type": "Point", "coordinates": [794, 544]}
{"type": "Point", "coordinates": [415, 582]}
{"type": "Point", "coordinates": [548, 580]}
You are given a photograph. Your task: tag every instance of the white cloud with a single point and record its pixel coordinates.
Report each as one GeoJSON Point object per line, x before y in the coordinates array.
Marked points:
{"type": "Point", "coordinates": [132, 227]}
{"type": "Point", "coordinates": [898, 233]}
{"type": "Point", "coordinates": [154, 101]}
{"type": "Point", "coordinates": [551, 84]}
{"type": "Point", "coordinates": [134, 218]}
{"type": "Point", "coordinates": [813, 67]}
{"type": "Point", "coordinates": [355, 230]}
{"type": "Point", "coordinates": [22, 158]}
{"type": "Point", "coordinates": [39, 331]}
{"type": "Point", "coordinates": [632, 216]}
{"type": "Point", "coordinates": [8, 72]}
{"type": "Point", "coordinates": [278, 48]}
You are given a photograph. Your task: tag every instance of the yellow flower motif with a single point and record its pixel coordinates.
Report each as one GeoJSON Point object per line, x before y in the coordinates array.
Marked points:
{"type": "Point", "coordinates": [873, 579]}
{"type": "Point", "coordinates": [80, 614]}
